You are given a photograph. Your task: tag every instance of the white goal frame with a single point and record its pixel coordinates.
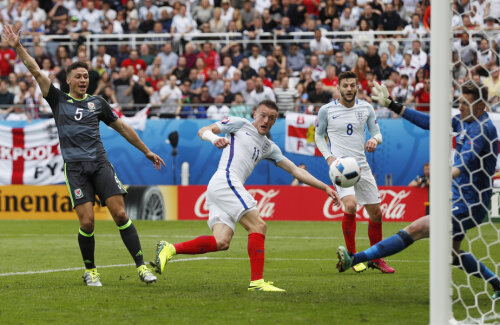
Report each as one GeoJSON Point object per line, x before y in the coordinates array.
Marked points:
{"type": "Point", "coordinates": [440, 306]}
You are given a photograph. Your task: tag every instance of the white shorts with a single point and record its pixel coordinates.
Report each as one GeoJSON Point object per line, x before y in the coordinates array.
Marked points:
{"type": "Point", "coordinates": [365, 191]}
{"type": "Point", "coordinates": [227, 201]}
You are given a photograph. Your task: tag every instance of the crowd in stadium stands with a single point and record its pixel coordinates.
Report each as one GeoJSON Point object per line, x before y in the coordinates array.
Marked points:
{"type": "Point", "coordinates": [185, 77]}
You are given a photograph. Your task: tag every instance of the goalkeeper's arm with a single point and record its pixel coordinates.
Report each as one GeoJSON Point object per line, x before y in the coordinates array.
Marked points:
{"type": "Point", "coordinates": [381, 95]}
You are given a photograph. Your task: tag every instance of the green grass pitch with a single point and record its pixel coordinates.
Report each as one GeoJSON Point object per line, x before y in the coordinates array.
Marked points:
{"type": "Point", "coordinates": [212, 288]}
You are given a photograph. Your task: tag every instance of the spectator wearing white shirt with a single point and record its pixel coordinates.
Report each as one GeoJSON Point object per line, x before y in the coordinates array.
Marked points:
{"type": "Point", "coordinates": [414, 30]}
{"type": "Point", "coordinates": [407, 68]}
{"type": "Point", "coordinates": [226, 70]}
{"type": "Point", "coordinates": [347, 21]}
{"type": "Point", "coordinates": [404, 91]}
{"type": "Point", "coordinates": [260, 5]}
{"type": "Point", "coordinates": [256, 59]}
{"type": "Point", "coordinates": [286, 97]}
{"type": "Point", "coordinates": [260, 93]}
{"type": "Point", "coordinates": [318, 72]}
{"type": "Point", "coordinates": [218, 110]}
{"type": "Point", "coordinates": [321, 46]}
{"type": "Point", "coordinates": [182, 24]}
{"type": "Point", "coordinates": [34, 12]}
{"type": "Point", "coordinates": [485, 57]}
{"type": "Point", "coordinates": [94, 17]}
{"type": "Point", "coordinates": [227, 11]}
{"type": "Point", "coordinates": [148, 7]}
{"type": "Point", "coordinates": [170, 97]}
{"type": "Point", "coordinates": [418, 56]}
{"type": "Point", "coordinates": [78, 11]}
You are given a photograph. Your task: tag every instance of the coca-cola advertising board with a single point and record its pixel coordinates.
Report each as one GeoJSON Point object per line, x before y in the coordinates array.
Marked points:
{"type": "Point", "coordinates": [303, 203]}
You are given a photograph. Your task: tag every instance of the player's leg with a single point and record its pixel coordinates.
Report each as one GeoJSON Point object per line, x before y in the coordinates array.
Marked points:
{"type": "Point", "coordinates": [375, 236]}
{"type": "Point", "coordinates": [416, 230]}
{"type": "Point", "coordinates": [466, 261]}
{"type": "Point", "coordinates": [256, 228]}
{"type": "Point", "coordinates": [130, 237]}
{"type": "Point", "coordinates": [349, 222]}
{"type": "Point", "coordinates": [82, 195]}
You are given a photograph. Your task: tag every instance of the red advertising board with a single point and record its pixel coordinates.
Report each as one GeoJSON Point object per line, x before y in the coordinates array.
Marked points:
{"type": "Point", "coordinates": [303, 203]}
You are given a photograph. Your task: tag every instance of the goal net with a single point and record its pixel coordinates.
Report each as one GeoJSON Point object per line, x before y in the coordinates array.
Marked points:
{"type": "Point", "coordinates": [474, 40]}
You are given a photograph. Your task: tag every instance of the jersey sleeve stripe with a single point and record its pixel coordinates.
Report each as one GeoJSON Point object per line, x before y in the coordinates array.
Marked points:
{"type": "Point", "coordinates": [231, 154]}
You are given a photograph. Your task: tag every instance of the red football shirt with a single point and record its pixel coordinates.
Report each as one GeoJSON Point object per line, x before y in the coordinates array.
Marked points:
{"type": "Point", "coordinates": [5, 57]}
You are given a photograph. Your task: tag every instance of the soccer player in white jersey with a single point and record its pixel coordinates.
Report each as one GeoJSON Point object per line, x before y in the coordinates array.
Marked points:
{"type": "Point", "coordinates": [228, 201]}
{"type": "Point", "coordinates": [344, 122]}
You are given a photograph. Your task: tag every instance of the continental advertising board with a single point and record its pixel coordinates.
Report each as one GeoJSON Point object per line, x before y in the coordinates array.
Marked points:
{"type": "Point", "coordinates": [51, 202]}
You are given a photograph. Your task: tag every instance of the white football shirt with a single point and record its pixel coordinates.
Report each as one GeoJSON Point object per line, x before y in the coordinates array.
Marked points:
{"type": "Point", "coordinates": [247, 148]}
{"type": "Point", "coordinates": [345, 128]}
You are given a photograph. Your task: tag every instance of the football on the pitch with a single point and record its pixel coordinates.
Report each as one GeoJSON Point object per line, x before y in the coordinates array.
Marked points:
{"type": "Point", "coordinates": [345, 172]}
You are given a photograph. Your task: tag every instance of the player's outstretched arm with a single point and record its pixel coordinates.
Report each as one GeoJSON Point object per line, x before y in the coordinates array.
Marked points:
{"type": "Point", "coordinates": [131, 136]}
{"type": "Point", "coordinates": [13, 37]}
{"type": "Point", "coordinates": [381, 95]}
{"type": "Point", "coordinates": [304, 176]}
{"type": "Point", "coordinates": [209, 133]}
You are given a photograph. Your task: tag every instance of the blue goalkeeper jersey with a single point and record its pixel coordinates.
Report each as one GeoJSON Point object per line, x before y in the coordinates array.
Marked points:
{"type": "Point", "coordinates": [475, 156]}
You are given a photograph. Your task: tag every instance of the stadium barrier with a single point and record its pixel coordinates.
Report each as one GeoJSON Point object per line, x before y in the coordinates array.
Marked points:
{"type": "Point", "coordinates": [284, 203]}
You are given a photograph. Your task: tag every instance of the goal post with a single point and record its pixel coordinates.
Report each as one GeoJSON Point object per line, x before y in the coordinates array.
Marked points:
{"type": "Point", "coordinates": [440, 306]}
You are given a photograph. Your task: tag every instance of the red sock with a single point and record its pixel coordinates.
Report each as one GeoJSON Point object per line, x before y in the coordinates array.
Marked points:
{"type": "Point", "coordinates": [199, 245]}
{"type": "Point", "coordinates": [256, 254]}
{"type": "Point", "coordinates": [349, 229]}
{"type": "Point", "coordinates": [374, 232]}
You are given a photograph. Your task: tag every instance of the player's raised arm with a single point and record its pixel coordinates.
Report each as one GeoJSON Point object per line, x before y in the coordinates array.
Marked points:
{"type": "Point", "coordinates": [13, 37]}
{"type": "Point", "coordinates": [319, 136]}
{"type": "Point", "coordinates": [381, 95]}
{"type": "Point", "coordinates": [304, 176]}
{"type": "Point", "coordinates": [209, 133]}
{"type": "Point", "coordinates": [131, 136]}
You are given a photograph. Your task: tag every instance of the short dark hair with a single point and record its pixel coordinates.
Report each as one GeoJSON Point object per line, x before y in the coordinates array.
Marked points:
{"type": "Point", "coordinates": [477, 90]}
{"type": "Point", "coordinates": [347, 75]}
{"type": "Point", "coordinates": [269, 104]}
{"type": "Point", "coordinates": [76, 65]}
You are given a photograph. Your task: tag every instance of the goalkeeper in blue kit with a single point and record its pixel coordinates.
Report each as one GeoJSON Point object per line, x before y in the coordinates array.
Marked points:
{"type": "Point", "coordinates": [472, 173]}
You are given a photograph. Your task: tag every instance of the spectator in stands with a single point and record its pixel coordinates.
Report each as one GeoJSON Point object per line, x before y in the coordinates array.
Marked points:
{"type": "Point", "coordinates": [133, 26]}
{"type": "Point", "coordinates": [204, 96]}
{"type": "Point", "coordinates": [228, 95]}
{"type": "Point", "coordinates": [338, 63]}
{"type": "Point", "coordinates": [372, 58]}
{"type": "Point", "coordinates": [226, 71]}
{"type": "Point", "coordinates": [286, 97]}
{"type": "Point", "coordinates": [372, 18]}
{"type": "Point", "coordinates": [283, 30]}
{"type": "Point", "coordinates": [350, 57]}
{"type": "Point", "coordinates": [190, 55]}
{"type": "Point", "coordinates": [23, 92]}
{"type": "Point", "coordinates": [134, 61]}
{"type": "Point", "coordinates": [390, 19]}
{"type": "Point", "coordinates": [321, 46]}
{"type": "Point", "coordinates": [260, 93]}
{"type": "Point", "coordinates": [418, 82]}
{"type": "Point", "coordinates": [237, 84]}
{"type": "Point", "coordinates": [209, 56]}
{"type": "Point", "coordinates": [218, 110]}
{"type": "Point", "coordinates": [422, 96]}
{"type": "Point", "coordinates": [362, 69]}
{"type": "Point", "coordinates": [238, 107]}
{"type": "Point", "coordinates": [147, 25]}
{"type": "Point", "coordinates": [148, 7]}
{"type": "Point", "coordinates": [121, 85]}
{"type": "Point", "coordinates": [247, 14]}
{"type": "Point", "coordinates": [215, 84]}
{"type": "Point", "coordinates": [466, 49]}
{"type": "Point", "coordinates": [262, 73]}
{"type": "Point", "coordinates": [330, 82]}
{"type": "Point", "coordinates": [418, 56]}
{"type": "Point", "coordinates": [180, 71]}
{"type": "Point", "coordinates": [141, 91]}
{"type": "Point", "coordinates": [347, 21]}
{"type": "Point", "coordinates": [271, 68]}
{"type": "Point", "coordinates": [395, 59]}
{"type": "Point", "coordinates": [168, 58]}
{"type": "Point", "coordinates": [6, 97]}
{"type": "Point", "coordinates": [203, 12]}
{"type": "Point", "coordinates": [319, 96]}
{"type": "Point", "coordinates": [94, 17]}
{"type": "Point", "coordinates": [404, 91]}
{"type": "Point", "coordinates": [250, 83]}
{"type": "Point", "coordinates": [493, 84]}
{"type": "Point", "coordinates": [256, 60]}
{"type": "Point", "coordinates": [217, 25]}
{"type": "Point", "coordinates": [268, 23]}
{"type": "Point", "coordinates": [157, 63]}
{"type": "Point", "coordinates": [108, 12]}
{"type": "Point", "coordinates": [226, 11]}
{"type": "Point", "coordinates": [7, 59]}
{"type": "Point", "coordinates": [459, 70]}
{"type": "Point", "coordinates": [247, 72]}
{"type": "Point", "coordinates": [185, 110]}
{"type": "Point", "coordinates": [131, 11]}
{"type": "Point", "coordinates": [407, 68]}
{"type": "Point", "coordinates": [58, 12]}
{"type": "Point", "coordinates": [485, 58]}
{"type": "Point", "coordinates": [296, 60]}
{"type": "Point", "coordinates": [318, 72]}
{"type": "Point", "coordinates": [414, 30]}
{"type": "Point", "coordinates": [383, 70]}
{"type": "Point", "coordinates": [182, 25]}
{"type": "Point", "coordinates": [327, 13]}
{"type": "Point", "coordinates": [170, 96]}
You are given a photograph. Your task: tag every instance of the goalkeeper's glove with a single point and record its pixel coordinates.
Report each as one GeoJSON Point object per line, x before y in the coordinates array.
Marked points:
{"type": "Point", "coordinates": [381, 96]}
